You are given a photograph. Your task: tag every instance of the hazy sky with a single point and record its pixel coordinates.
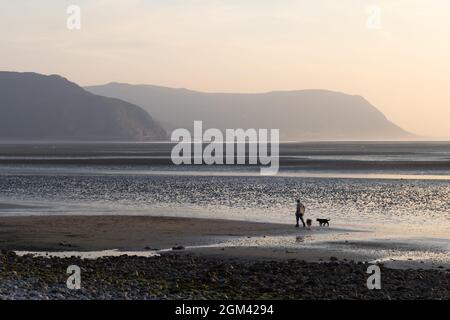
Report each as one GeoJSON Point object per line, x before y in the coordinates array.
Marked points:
{"type": "Point", "coordinates": [399, 60]}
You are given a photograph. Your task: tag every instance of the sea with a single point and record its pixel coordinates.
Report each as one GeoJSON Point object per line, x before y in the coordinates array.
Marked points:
{"type": "Point", "coordinates": [392, 193]}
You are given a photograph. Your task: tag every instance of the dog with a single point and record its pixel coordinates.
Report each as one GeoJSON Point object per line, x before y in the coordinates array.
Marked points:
{"type": "Point", "coordinates": [324, 222]}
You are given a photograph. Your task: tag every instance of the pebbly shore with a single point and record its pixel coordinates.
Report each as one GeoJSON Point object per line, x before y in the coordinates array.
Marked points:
{"type": "Point", "coordinates": [186, 276]}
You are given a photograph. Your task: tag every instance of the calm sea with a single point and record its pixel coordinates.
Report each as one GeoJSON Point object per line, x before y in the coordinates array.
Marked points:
{"type": "Point", "coordinates": [371, 186]}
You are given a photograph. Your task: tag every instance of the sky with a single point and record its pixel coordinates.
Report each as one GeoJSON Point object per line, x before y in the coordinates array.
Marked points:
{"type": "Point", "coordinates": [395, 53]}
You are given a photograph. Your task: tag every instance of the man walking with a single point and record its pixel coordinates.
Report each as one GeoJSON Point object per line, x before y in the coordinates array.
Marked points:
{"type": "Point", "coordinates": [299, 212]}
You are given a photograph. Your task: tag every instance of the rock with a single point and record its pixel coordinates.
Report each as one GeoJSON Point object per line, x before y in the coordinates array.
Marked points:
{"type": "Point", "coordinates": [333, 259]}
{"type": "Point", "coordinates": [187, 276]}
{"type": "Point", "coordinates": [11, 253]}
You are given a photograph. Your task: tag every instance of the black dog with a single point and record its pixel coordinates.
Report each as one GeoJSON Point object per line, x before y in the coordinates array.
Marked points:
{"type": "Point", "coordinates": [323, 222]}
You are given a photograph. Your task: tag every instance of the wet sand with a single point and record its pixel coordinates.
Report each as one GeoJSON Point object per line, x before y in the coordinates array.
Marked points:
{"type": "Point", "coordinates": [201, 237]}
{"type": "Point", "coordinates": [208, 272]}
{"type": "Point", "coordinates": [92, 233]}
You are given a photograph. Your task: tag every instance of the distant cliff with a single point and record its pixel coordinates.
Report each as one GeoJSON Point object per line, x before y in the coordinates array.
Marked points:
{"type": "Point", "coordinates": [300, 115]}
{"type": "Point", "coordinates": [39, 107]}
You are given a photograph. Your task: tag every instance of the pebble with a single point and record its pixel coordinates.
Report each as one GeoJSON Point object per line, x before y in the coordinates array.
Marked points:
{"type": "Point", "coordinates": [185, 276]}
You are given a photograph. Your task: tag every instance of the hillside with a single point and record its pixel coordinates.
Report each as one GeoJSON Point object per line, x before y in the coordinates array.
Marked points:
{"type": "Point", "coordinates": [300, 115]}
{"type": "Point", "coordinates": [39, 107]}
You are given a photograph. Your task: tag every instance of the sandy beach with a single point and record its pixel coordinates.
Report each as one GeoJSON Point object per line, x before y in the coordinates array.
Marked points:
{"type": "Point", "coordinates": [206, 237]}
{"type": "Point", "coordinates": [93, 233]}
{"type": "Point", "coordinates": [204, 265]}
{"type": "Point", "coordinates": [202, 237]}
{"type": "Point", "coordinates": [213, 237]}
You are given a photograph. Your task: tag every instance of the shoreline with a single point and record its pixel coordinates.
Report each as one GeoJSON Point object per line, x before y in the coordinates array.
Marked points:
{"type": "Point", "coordinates": [125, 232]}
{"type": "Point", "coordinates": [102, 235]}
{"type": "Point", "coordinates": [186, 277]}
{"type": "Point", "coordinates": [201, 269]}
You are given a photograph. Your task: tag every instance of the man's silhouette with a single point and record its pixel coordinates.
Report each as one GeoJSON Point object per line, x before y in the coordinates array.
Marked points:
{"type": "Point", "coordinates": [299, 212]}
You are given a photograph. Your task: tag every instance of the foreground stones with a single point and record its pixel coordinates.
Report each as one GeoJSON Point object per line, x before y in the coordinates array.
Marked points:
{"type": "Point", "coordinates": [184, 276]}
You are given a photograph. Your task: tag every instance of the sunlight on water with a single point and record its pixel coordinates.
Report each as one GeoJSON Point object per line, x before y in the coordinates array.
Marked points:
{"type": "Point", "coordinates": [417, 204]}
{"type": "Point", "coordinates": [396, 192]}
